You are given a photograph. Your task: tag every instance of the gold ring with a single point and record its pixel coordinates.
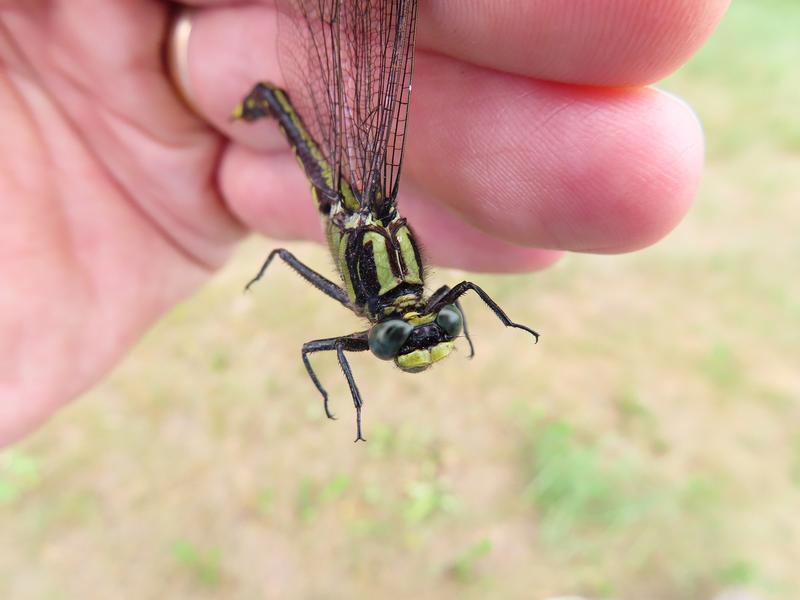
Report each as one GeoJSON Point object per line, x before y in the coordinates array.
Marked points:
{"type": "Point", "coordinates": [178, 56]}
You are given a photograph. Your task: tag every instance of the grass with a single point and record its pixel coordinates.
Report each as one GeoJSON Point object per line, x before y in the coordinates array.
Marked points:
{"type": "Point", "coordinates": [647, 448]}
{"type": "Point", "coordinates": [202, 565]}
{"type": "Point", "coordinates": [465, 566]}
{"type": "Point", "coordinates": [19, 473]}
{"type": "Point", "coordinates": [574, 490]}
{"type": "Point", "coordinates": [597, 500]}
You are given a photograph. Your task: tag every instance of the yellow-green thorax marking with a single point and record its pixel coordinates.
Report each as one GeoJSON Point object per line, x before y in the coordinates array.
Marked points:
{"type": "Point", "coordinates": [379, 262]}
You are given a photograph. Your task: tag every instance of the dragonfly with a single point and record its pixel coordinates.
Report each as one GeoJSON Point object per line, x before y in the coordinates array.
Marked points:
{"type": "Point", "coordinates": [344, 110]}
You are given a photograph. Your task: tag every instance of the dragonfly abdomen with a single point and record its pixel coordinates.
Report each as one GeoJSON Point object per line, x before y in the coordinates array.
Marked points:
{"type": "Point", "coordinates": [327, 187]}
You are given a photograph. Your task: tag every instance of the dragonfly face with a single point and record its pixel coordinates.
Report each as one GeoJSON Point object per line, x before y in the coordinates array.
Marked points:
{"type": "Point", "coordinates": [417, 341]}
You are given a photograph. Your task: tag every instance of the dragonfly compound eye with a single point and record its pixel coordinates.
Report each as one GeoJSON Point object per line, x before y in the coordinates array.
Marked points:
{"type": "Point", "coordinates": [450, 319]}
{"type": "Point", "coordinates": [386, 339]}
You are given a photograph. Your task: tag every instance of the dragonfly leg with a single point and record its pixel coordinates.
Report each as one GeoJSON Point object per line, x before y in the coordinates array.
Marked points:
{"type": "Point", "coordinates": [462, 288]}
{"type": "Point", "coordinates": [326, 286]}
{"type": "Point", "coordinates": [308, 348]}
{"type": "Point", "coordinates": [466, 329]}
{"type": "Point", "coordinates": [356, 342]}
{"type": "Point", "coordinates": [437, 296]}
{"type": "Point", "coordinates": [353, 388]}
{"type": "Point", "coordinates": [435, 301]}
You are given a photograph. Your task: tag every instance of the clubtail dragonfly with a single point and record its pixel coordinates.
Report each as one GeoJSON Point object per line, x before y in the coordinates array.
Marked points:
{"type": "Point", "coordinates": [347, 66]}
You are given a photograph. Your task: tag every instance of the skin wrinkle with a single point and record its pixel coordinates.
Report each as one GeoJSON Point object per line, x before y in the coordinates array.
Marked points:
{"type": "Point", "coordinates": [28, 374]}
{"type": "Point", "coordinates": [504, 169]}
{"type": "Point", "coordinates": [515, 170]}
{"type": "Point", "coordinates": [11, 56]}
{"type": "Point", "coordinates": [550, 117]}
{"type": "Point", "coordinates": [657, 176]}
{"type": "Point", "coordinates": [477, 244]}
{"type": "Point", "coordinates": [176, 218]}
{"type": "Point", "coordinates": [555, 152]}
{"type": "Point", "coordinates": [19, 104]}
{"type": "Point", "coordinates": [27, 105]}
{"type": "Point", "coordinates": [521, 155]}
{"type": "Point", "coordinates": [79, 45]}
{"type": "Point", "coordinates": [563, 237]}
{"type": "Point", "coordinates": [55, 166]}
{"type": "Point", "coordinates": [80, 90]}
{"type": "Point", "coordinates": [144, 64]}
{"type": "Point", "coordinates": [611, 133]}
{"type": "Point", "coordinates": [146, 209]}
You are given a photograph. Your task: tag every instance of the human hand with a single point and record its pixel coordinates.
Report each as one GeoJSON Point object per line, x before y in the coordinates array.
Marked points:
{"type": "Point", "coordinates": [116, 201]}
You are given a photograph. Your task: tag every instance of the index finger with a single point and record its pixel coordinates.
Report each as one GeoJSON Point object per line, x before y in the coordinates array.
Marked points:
{"type": "Point", "coordinates": [614, 43]}
{"type": "Point", "coordinates": [611, 43]}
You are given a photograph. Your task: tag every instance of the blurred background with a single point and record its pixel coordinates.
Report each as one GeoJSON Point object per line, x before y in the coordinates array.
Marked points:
{"type": "Point", "coordinates": [649, 447]}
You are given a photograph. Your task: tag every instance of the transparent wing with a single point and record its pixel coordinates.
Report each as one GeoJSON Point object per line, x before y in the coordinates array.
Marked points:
{"type": "Point", "coordinates": [348, 67]}
{"type": "Point", "coordinates": [309, 53]}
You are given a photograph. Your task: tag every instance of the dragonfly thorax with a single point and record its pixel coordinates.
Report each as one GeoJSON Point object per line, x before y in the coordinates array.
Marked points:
{"type": "Point", "coordinates": [380, 265]}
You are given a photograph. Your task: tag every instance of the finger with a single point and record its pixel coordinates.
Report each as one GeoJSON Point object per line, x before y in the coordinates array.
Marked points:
{"type": "Point", "coordinates": [617, 42]}
{"type": "Point", "coordinates": [269, 193]}
{"type": "Point", "coordinates": [452, 242]}
{"type": "Point", "coordinates": [220, 79]}
{"type": "Point", "coordinates": [544, 165]}
{"type": "Point", "coordinates": [551, 165]}
{"type": "Point", "coordinates": [541, 165]}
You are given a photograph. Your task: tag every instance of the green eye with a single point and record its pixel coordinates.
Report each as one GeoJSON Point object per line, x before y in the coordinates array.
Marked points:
{"type": "Point", "coordinates": [450, 319]}
{"type": "Point", "coordinates": [386, 339]}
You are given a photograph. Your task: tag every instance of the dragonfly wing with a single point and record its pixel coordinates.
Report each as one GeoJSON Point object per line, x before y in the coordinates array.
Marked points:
{"type": "Point", "coordinates": [348, 67]}
{"type": "Point", "coordinates": [310, 58]}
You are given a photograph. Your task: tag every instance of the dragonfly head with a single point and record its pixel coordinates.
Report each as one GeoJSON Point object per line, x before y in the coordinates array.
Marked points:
{"type": "Point", "coordinates": [417, 341]}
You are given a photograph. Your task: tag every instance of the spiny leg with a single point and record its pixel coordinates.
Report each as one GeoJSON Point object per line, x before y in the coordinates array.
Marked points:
{"type": "Point", "coordinates": [466, 329]}
{"type": "Point", "coordinates": [356, 342]}
{"type": "Point", "coordinates": [435, 301]}
{"type": "Point", "coordinates": [353, 388]}
{"type": "Point", "coordinates": [326, 286]}
{"type": "Point", "coordinates": [462, 288]}
{"type": "Point", "coordinates": [316, 346]}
